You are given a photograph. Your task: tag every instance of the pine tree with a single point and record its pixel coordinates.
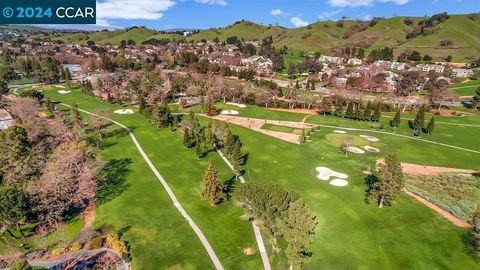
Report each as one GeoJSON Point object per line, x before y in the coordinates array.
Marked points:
{"type": "Point", "coordinates": [367, 113]}
{"type": "Point", "coordinates": [358, 111]}
{"type": "Point", "coordinates": [212, 189]}
{"type": "Point", "coordinates": [162, 115]}
{"type": "Point", "coordinates": [237, 156]}
{"type": "Point", "coordinates": [229, 142]}
{"type": "Point", "coordinates": [75, 116]}
{"type": "Point", "coordinates": [377, 113]}
{"type": "Point", "coordinates": [298, 227]}
{"type": "Point", "coordinates": [420, 118]}
{"type": "Point", "coordinates": [431, 125]}
{"type": "Point", "coordinates": [349, 112]}
{"type": "Point", "coordinates": [209, 143]}
{"type": "Point", "coordinates": [186, 138]}
{"type": "Point", "coordinates": [141, 103]}
{"type": "Point", "coordinates": [198, 149]}
{"type": "Point", "coordinates": [390, 183]}
{"type": "Point", "coordinates": [396, 119]}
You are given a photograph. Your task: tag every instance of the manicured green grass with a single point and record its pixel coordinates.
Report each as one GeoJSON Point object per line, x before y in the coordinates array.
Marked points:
{"type": "Point", "coordinates": [160, 238]}
{"type": "Point", "coordinates": [466, 88]}
{"type": "Point", "coordinates": [281, 128]}
{"type": "Point", "coordinates": [352, 234]}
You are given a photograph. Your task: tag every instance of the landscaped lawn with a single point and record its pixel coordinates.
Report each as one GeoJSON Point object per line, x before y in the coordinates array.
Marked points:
{"type": "Point", "coordinates": [159, 236]}
{"type": "Point", "coordinates": [350, 235]}
{"type": "Point", "coordinates": [282, 129]}
{"type": "Point", "coordinates": [466, 88]}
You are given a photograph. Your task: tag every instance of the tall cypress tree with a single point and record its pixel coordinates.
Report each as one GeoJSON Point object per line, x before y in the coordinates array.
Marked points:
{"type": "Point", "coordinates": [237, 156]}
{"type": "Point", "coordinates": [396, 119]}
{"type": "Point", "coordinates": [209, 143]}
{"type": "Point", "coordinates": [229, 142]}
{"type": "Point", "coordinates": [187, 141]}
{"type": "Point", "coordinates": [212, 189]}
{"type": "Point", "coordinates": [349, 112]}
{"type": "Point", "coordinates": [377, 113]}
{"type": "Point", "coordinates": [431, 125]}
{"type": "Point", "coordinates": [419, 121]}
{"type": "Point", "coordinates": [367, 113]}
{"type": "Point", "coordinates": [198, 149]}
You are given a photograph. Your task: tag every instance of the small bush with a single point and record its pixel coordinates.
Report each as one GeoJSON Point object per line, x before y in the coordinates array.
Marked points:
{"type": "Point", "coordinates": [116, 244]}
{"type": "Point", "coordinates": [75, 247]}
{"type": "Point", "coordinates": [96, 243]}
{"type": "Point", "coordinates": [58, 251]}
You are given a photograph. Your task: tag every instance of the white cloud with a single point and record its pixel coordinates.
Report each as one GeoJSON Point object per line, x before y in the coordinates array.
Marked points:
{"type": "Point", "coordinates": [298, 22]}
{"type": "Point", "coordinates": [132, 9]}
{"type": "Point", "coordinates": [212, 2]}
{"type": "Point", "coordinates": [326, 15]}
{"type": "Point", "coordinates": [362, 3]}
{"type": "Point", "coordinates": [278, 12]}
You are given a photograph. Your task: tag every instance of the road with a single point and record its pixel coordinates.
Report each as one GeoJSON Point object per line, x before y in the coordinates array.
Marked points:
{"type": "Point", "coordinates": [167, 188]}
{"type": "Point", "coordinates": [256, 230]}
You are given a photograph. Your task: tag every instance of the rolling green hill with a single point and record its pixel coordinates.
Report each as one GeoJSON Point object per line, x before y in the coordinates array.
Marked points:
{"type": "Point", "coordinates": [462, 30]}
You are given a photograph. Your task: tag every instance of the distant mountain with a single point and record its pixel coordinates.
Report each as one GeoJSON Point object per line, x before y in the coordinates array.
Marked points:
{"type": "Point", "coordinates": [457, 36]}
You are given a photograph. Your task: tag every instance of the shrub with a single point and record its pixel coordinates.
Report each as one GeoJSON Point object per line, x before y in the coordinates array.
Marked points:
{"type": "Point", "coordinates": [21, 264]}
{"type": "Point", "coordinates": [116, 244]}
{"type": "Point", "coordinates": [96, 243]}
{"type": "Point", "coordinates": [58, 251]}
{"type": "Point", "coordinates": [75, 247]}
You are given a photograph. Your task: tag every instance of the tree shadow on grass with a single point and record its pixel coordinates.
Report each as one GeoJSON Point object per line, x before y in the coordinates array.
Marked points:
{"type": "Point", "coordinates": [112, 177]}
{"type": "Point", "coordinates": [469, 241]}
{"type": "Point", "coordinates": [229, 187]}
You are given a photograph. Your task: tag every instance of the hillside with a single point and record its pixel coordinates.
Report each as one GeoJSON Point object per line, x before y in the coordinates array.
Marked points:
{"type": "Point", "coordinates": [461, 30]}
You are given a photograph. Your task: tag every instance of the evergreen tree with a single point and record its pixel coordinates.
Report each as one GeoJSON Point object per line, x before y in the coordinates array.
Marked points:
{"type": "Point", "coordinates": [431, 125]}
{"type": "Point", "coordinates": [198, 149]}
{"type": "Point", "coordinates": [209, 142]}
{"type": "Point", "coordinates": [49, 105]}
{"type": "Point", "coordinates": [357, 115]}
{"type": "Point", "coordinates": [420, 118]}
{"type": "Point", "coordinates": [229, 142]}
{"type": "Point", "coordinates": [390, 183]}
{"type": "Point", "coordinates": [396, 119]}
{"type": "Point", "coordinates": [298, 228]}
{"type": "Point", "coordinates": [367, 113]}
{"type": "Point", "coordinates": [187, 141]}
{"type": "Point", "coordinates": [377, 113]}
{"type": "Point", "coordinates": [237, 156]}
{"type": "Point", "coordinates": [75, 116]}
{"type": "Point", "coordinates": [13, 208]}
{"type": "Point", "coordinates": [349, 112]}
{"type": "Point", "coordinates": [162, 115]}
{"type": "Point", "coordinates": [142, 104]}
{"type": "Point", "coordinates": [212, 189]}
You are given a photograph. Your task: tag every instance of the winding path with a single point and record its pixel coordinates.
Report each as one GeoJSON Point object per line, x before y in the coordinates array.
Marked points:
{"type": "Point", "coordinates": [256, 230]}
{"type": "Point", "coordinates": [169, 191]}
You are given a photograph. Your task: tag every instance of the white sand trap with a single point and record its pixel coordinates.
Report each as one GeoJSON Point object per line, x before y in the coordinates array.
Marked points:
{"type": "Point", "coordinates": [371, 149]}
{"type": "Point", "coordinates": [63, 92]}
{"type": "Point", "coordinates": [370, 138]}
{"type": "Point", "coordinates": [237, 104]}
{"type": "Point", "coordinates": [325, 173]}
{"type": "Point", "coordinates": [338, 182]}
{"type": "Point", "coordinates": [229, 112]}
{"type": "Point", "coordinates": [124, 111]}
{"type": "Point", "coordinates": [340, 131]}
{"type": "Point", "coordinates": [354, 149]}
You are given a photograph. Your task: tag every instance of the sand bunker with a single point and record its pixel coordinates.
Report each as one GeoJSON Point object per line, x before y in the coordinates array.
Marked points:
{"type": "Point", "coordinates": [325, 173]}
{"type": "Point", "coordinates": [370, 138]}
{"type": "Point", "coordinates": [354, 149]}
{"type": "Point", "coordinates": [124, 111]}
{"type": "Point", "coordinates": [340, 131]}
{"type": "Point", "coordinates": [229, 112]}
{"type": "Point", "coordinates": [371, 149]}
{"type": "Point", "coordinates": [63, 92]}
{"type": "Point", "coordinates": [338, 182]}
{"type": "Point", "coordinates": [237, 104]}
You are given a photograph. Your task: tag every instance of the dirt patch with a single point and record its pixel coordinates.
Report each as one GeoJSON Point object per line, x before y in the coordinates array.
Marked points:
{"type": "Point", "coordinates": [451, 113]}
{"type": "Point", "coordinates": [304, 111]}
{"type": "Point", "coordinates": [248, 251]}
{"type": "Point", "coordinates": [415, 169]}
{"type": "Point", "coordinates": [458, 222]}
{"type": "Point", "coordinates": [256, 125]}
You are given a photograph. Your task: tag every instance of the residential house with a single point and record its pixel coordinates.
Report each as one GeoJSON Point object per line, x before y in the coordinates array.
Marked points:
{"type": "Point", "coordinates": [429, 67]}
{"type": "Point", "coordinates": [355, 61]}
{"type": "Point", "coordinates": [461, 72]}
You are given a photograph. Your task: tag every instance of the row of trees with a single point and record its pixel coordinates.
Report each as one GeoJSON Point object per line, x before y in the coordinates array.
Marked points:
{"type": "Point", "coordinates": [284, 214]}
{"type": "Point", "coordinates": [38, 158]}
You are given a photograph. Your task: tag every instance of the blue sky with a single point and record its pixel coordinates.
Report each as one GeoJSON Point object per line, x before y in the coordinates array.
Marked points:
{"type": "Point", "coordinates": [202, 14]}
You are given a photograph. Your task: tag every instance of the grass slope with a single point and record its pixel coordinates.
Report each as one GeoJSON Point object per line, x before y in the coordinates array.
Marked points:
{"type": "Point", "coordinates": [160, 238]}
